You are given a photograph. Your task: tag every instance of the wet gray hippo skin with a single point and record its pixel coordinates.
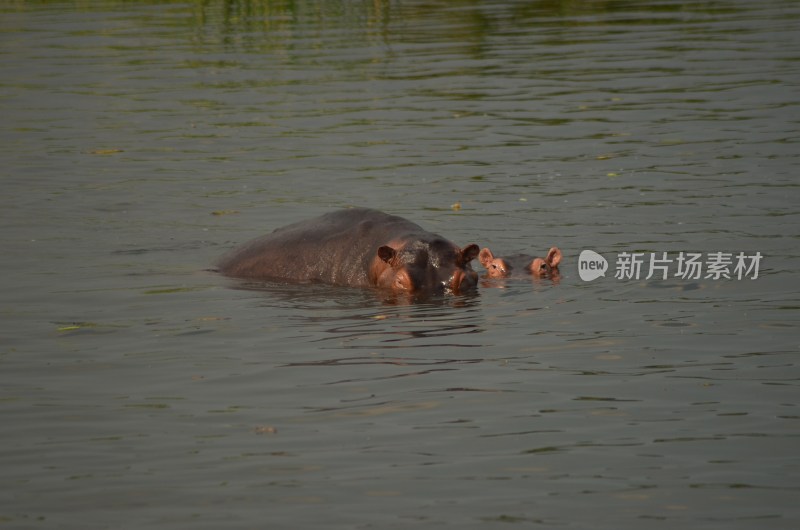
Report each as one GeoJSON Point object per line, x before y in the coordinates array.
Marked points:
{"type": "Point", "coordinates": [358, 247]}
{"type": "Point", "coordinates": [521, 264]}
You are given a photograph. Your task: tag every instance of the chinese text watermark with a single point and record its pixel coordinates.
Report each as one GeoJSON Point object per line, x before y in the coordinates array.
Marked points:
{"type": "Point", "coordinates": [663, 265]}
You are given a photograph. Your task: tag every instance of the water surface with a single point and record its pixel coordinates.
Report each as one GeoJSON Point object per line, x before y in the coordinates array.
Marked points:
{"type": "Point", "coordinates": [142, 140]}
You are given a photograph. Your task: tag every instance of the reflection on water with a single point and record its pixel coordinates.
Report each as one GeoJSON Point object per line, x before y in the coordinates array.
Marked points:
{"type": "Point", "coordinates": [437, 365]}
{"type": "Point", "coordinates": [308, 295]}
{"type": "Point", "coordinates": [415, 330]}
{"type": "Point", "coordinates": [369, 318]}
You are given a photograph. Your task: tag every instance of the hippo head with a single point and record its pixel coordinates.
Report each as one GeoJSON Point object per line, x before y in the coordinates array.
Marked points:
{"type": "Point", "coordinates": [495, 267]}
{"type": "Point", "coordinates": [547, 266]}
{"type": "Point", "coordinates": [426, 267]}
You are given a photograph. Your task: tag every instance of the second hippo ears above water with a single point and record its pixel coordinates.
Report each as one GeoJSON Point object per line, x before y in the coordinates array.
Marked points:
{"type": "Point", "coordinates": [553, 257]}
{"type": "Point", "coordinates": [496, 266]}
{"type": "Point", "coordinates": [547, 265]}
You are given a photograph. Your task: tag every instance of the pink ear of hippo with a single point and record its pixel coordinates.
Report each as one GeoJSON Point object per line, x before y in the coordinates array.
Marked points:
{"type": "Point", "coordinates": [485, 257]}
{"type": "Point", "coordinates": [553, 257]}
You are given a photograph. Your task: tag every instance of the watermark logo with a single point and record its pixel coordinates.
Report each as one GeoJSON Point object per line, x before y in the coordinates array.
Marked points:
{"type": "Point", "coordinates": [591, 265]}
{"type": "Point", "coordinates": [663, 265]}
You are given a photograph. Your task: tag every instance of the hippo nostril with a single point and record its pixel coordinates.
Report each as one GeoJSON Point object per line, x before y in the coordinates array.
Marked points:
{"type": "Point", "coordinates": [450, 286]}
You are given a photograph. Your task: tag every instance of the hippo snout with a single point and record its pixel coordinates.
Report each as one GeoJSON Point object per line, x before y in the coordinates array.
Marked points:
{"type": "Point", "coordinates": [463, 281]}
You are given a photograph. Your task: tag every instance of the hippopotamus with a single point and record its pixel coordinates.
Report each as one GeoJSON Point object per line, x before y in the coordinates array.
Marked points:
{"type": "Point", "coordinates": [521, 264]}
{"type": "Point", "coordinates": [357, 247]}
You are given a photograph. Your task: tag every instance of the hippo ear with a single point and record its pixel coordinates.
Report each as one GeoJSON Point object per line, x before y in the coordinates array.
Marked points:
{"type": "Point", "coordinates": [553, 257]}
{"type": "Point", "coordinates": [485, 257]}
{"type": "Point", "coordinates": [387, 253]}
{"type": "Point", "coordinates": [470, 252]}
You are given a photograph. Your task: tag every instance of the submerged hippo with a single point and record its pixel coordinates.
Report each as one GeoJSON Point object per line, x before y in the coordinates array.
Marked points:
{"type": "Point", "coordinates": [521, 264]}
{"type": "Point", "coordinates": [357, 247]}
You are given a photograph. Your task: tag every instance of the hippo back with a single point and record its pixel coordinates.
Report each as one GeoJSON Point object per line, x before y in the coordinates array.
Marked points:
{"type": "Point", "coordinates": [334, 248]}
